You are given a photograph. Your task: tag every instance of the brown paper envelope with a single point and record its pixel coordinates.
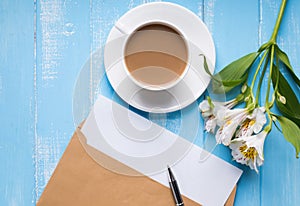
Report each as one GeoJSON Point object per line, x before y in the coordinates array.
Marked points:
{"type": "Point", "coordinates": [79, 181]}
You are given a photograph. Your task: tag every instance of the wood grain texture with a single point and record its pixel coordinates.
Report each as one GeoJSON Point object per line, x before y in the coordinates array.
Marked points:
{"type": "Point", "coordinates": [44, 45]}
{"type": "Point", "coordinates": [63, 41]}
{"type": "Point", "coordinates": [16, 103]}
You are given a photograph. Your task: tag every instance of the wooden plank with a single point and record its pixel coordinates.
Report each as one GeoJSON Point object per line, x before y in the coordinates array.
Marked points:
{"type": "Point", "coordinates": [280, 174]}
{"type": "Point", "coordinates": [234, 26]}
{"type": "Point", "coordinates": [63, 42]}
{"type": "Point", "coordinates": [16, 102]}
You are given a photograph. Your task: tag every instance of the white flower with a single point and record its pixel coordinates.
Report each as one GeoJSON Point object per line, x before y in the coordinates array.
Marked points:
{"type": "Point", "coordinates": [206, 109]}
{"type": "Point", "coordinates": [253, 123]}
{"type": "Point", "coordinates": [209, 112]}
{"type": "Point", "coordinates": [248, 150]}
{"type": "Point", "coordinates": [228, 121]}
{"type": "Point", "coordinates": [211, 124]}
{"type": "Point", "coordinates": [225, 115]}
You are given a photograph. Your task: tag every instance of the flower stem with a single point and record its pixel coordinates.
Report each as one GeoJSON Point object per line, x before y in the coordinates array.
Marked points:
{"type": "Point", "coordinates": [270, 75]}
{"type": "Point", "coordinates": [267, 103]}
{"type": "Point", "coordinates": [257, 70]}
{"type": "Point", "coordinates": [255, 76]}
{"type": "Point", "coordinates": [278, 21]}
{"type": "Point", "coordinates": [261, 78]}
{"type": "Point", "coordinates": [272, 42]}
{"type": "Point", "coordinates": [276, 84]}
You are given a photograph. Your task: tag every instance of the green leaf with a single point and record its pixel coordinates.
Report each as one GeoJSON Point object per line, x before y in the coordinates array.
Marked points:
{"type": "Point", "coordinates": [290, 107]}
{"type": "Point", "coordinates": [226, 86]}
{"type": "Point", "coordinates": [291, 132]}
{"type": "Point", "coordinates": [226, 83]}
{"type": "Point", "coordinates": [275, 123]}
{"type": "Point", "coordinates": [234, 74]}
{"type": "Point", "coordinates": [285, 60]}
{"type": "Point", "coordinates": [238, 68]}
{"type": "Point", "coordinates": [222, 86]}
{"type": "Point", "coordinates": [264, 46]}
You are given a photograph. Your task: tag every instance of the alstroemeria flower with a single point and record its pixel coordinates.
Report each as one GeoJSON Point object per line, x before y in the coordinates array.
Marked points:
{"type": "Point", "coordinates": [229, 120]}
{"type": "Point", "coordinates": [253, 123]}
{"type": "Point", "coordinates": [206, 109]}
{"type": "Point", "coordinates": [248, 150]}
{"type": "Point", "coordinates": [211, 124]}
{"type": "Point", "coordinates": [209, 112]}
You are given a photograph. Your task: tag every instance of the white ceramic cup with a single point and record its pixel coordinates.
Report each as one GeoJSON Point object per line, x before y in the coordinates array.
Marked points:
{"type": "Point", "coordinates": [154, 87]}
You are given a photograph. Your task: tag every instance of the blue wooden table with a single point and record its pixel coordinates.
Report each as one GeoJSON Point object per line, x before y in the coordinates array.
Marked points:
{"type": "Point", "coordinates": [45, 43]}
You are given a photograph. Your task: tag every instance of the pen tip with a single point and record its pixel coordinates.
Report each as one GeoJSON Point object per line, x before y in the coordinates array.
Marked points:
{"type": "Point", "coordinates": [171, 177]}
{"type": "Point", "coordinates": [169, 169]}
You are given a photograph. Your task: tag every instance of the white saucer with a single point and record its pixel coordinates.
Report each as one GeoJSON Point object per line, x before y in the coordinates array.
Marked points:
{"type": "Point", "coordinates": [196, 79]}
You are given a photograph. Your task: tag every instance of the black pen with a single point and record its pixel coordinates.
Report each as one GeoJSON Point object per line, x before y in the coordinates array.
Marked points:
{"type": "Point", "coordinates": [175, 189]}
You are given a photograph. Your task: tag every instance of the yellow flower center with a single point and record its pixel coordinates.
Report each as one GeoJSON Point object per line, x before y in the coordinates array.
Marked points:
{"type": "Point", "coordinates": [228, 122]}
{"type": "Point", "coordinates": [250, 152]}
{"type": "Point", "coordinates": [248, 123]}
{"type": "Point", "coordinates": [252, 122]}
